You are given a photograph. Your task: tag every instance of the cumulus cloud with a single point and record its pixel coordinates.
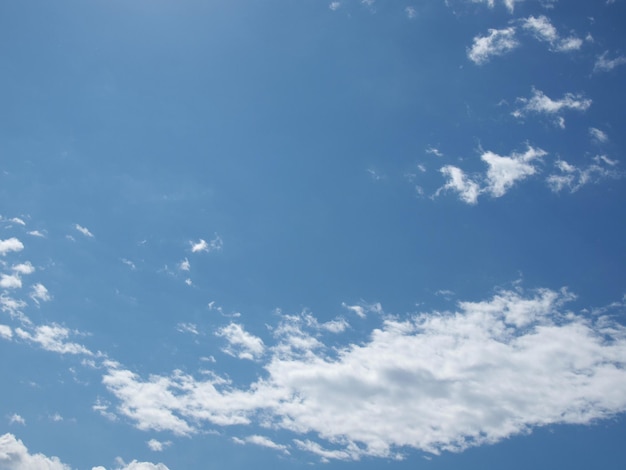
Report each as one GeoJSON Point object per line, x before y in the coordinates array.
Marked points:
{"type": "Point", "coordinates": [241, 344]}
{"type": "Point", "coordinates": [363, 308]}
{"type": "Point", "coordinates": [502, 174]}
{"type": "Point", "coordinates": [24, 268]}
{"type": "Point", "coordinates": [604, 64]}
{"type": "Point", "coordinates": [539, 103]}
{"type": "Point", "coordinates": [201, 245]}
{"type": "Point", "coordinates": [185, 265]}
{"type": "Point", "coordinates": [543, 30]}
{"type": "Point", "coordinates": [496, 43]}
{"type": "Point", "coordinates": [9, 245]}
{"type": "Point", "coordinates": [14, 455]}
{"type": "Point", "coordinates": [85, 231]}
{"type": "Point", "coordinates": [12, 281]}
{"type": "Point", "coordinates": [53, 338]}
{"type": "Point", "coordinates": [5, 332]}
{"type": "Point", "coordinates": [572, 178]}
{"type": "Point", "coordinates": [434, 381]}
{"type": "Point", "coordinates": [158, 446]}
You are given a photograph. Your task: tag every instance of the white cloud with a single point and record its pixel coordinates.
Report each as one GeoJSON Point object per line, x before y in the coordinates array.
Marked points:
{"type": "Point", "coordinates": [13, 307]}
{"type": "Point", "coordinates": [129, 263]}
{"type": "Point", "coordinates": [604, 64]}
{"type": "Point", "coordinates": [411, 12]}
{"type": "Point", "coordinates": [261, 441]}
{"type": "Point", "coordinates": [36, 233]}
{"type": "Point", "coordinates": [434, 381]}
{"type": "Point", "coordinates": [5, 332]}
{"type": "Point", "coordinates": [83, 230]}
{"type": "Point", "coordinates": [362, 309]}
{"type": "Point", "coordinates": [215, 244]}
{"type": "Point", "coordinates": [24, 268]}
{"type": "Point", "coordinates": [10, 244]}
{"type": "Point", "coordinates": [434, 151]}
{"type": "Point", "coordinates": [158, 446]}
{"type": "Point", "coordinates": [334, 5]}
{"type": "Point", "coordinates": [15, 456]}
{"type": "Point", "coordinates": [496, 43]}
{"type": "Point", "coordinates": [504, 172]}
{"type": "Point", "coordinates": [17, 419]}
{"type": "Point", "coordinates": [52, 338]}
{"type": "Point", "coordinates": [187, 328]}
{"type": "Point", "coordinates": [539, 103]}
{"type": "Point", "coordinates": [598, 136]}
{"type": "Point", "coordinates": [241, 344]}
{"type": "Point", "coordinates": [573, 178]}
{"type": "Point", "coordinates": [39, 292]}
{"type": "Point", "coordinates": [10, 281]}
{"type": "Point", "coordinates": [510, 4]}
{"type": "Point", "coordinates": [185, 265]}
{"type": "Point", "coordinates": [544, 31]}
{"type": "Point", "coordinates": [17, 220]}
{"type": "Point", "coordinates": [458, 181]}
{"type": "Point", "coordinates": [135, 465]}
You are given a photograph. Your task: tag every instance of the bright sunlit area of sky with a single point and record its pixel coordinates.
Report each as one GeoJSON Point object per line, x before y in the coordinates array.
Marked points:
{"type": "Point", "coordinates": [340, 234]}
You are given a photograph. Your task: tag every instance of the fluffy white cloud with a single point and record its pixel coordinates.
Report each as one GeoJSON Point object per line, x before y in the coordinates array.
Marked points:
{"type": "Point", "coordinates": [53, 338]}
{"type": "Point", "coordinates": [85, 231]}
{"type": "Point", "coordinates": [6, 332]}
{"type": "Point", "coordinates": [496, 43]}
{"type": "Point", "coordinates": [24, 268]}
{"type": "Point", "coordinates": [435, 381]}
{"type": "Point", "coordinates": [158, 446]}
{"type": "Point", "coordinates": [12, 281]}
{"type": "Point", "coordinates": [241, 343]}
{"type": "Point", "coordinates": [135, 465]}
{"type": "Point", "coordinates": [10, 244]}
{"type": "Point", "coordinates": [185, 265]}
{"type": "Point", "coordinates": [504, 172]}
{"type": "Point", "coordinates": [543, 30]}
{"type": "Point", "coordinates": [572, 178]}
{"type": "Point", "coordinates": [539, 103]}
{"type": "Point", "coordinates": [36, 233]}
{"type": "Point", "coordinates": [15, 456]}
{"type": "Point", "coordinates": [604, 64]}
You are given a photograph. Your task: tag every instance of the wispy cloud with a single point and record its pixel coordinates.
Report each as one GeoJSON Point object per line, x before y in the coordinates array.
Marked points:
{"type": "Point", "coordinates": [261, 441]}
{"type": "Point", "coordinates": [40, 293]}
{"type": "Point", "coordinates": [434, 381]}
{"type": "Point", "coordinates": [598, 136]}
{"type": "Point", "coordinates": [85, 231]}
{"type": "Point", "coordinates": [17, 419]}
{"type": "Point", "coordinates": [334, 5]}
{"type": "Point", "coordinates": [572, 178]}
{"type": "Point", "coordinates": [496, 43]}
{"type": "Point", "coordinates": [53, 338]}
{"type": "Point", "coordinates": [604, 64]}
{"type": "Point", "coordinates": [543, 30]}
{"type": "Point", "coordinates": [539, 103]}
{"type": "Point", "coordinates": [201, 245]}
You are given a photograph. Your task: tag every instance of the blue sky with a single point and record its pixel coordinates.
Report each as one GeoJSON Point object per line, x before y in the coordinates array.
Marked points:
{"type": "Point", "coordinates": [302, 233]}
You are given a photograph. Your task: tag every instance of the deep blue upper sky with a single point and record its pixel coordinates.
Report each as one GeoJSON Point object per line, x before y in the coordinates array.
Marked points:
{"type": "Point", "coordinates": [287, 233]}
